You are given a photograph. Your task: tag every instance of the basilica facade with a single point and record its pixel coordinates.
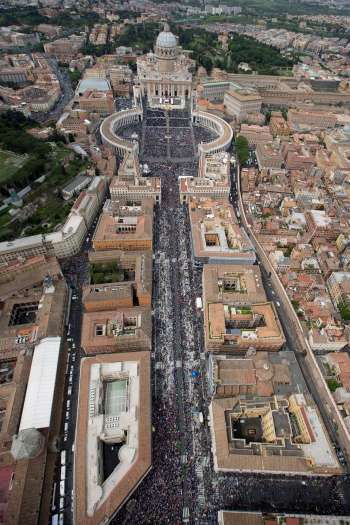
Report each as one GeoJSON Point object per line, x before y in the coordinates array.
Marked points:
{"type": "Point", "coordinates": [165, 73]}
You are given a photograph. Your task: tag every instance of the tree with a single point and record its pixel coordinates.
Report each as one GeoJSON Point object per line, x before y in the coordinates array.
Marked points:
{"type": "Point", "coordinates": [132, 65]}
{"type": "Point", "coordinates": [242, 149]}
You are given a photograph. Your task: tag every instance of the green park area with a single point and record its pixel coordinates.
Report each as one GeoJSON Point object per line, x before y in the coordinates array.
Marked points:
{"type": "Point", "coordinates": [9, 164]}
{"type": "Point", "coordinates": [207, 51]}
{"type": "Point", "coordinates": [108, 272]}
{"type": "Point", "coordinates": [44, 166]}
{"type": "Point", "coordinates": [344, 310]}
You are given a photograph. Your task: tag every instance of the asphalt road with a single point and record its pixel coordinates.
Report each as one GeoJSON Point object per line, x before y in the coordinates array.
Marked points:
{"type": "Point", "coordinates": [67, 95]}
{"type": "Point", "coordinates": [75, 270]}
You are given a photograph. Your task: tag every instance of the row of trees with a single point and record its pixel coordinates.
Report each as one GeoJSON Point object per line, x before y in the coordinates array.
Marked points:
{"type": "Point", "coordinates": [139, 36]}
{"type": "Point", "coordinates": [242, 149]}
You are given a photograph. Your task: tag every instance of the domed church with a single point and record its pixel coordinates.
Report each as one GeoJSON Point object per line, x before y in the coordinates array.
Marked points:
{"type": "Point", "coordinates": [164, 76]}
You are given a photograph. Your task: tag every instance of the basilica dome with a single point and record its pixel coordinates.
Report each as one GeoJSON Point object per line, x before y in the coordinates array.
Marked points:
{"type": "Point", "coordinates": [166, 38]}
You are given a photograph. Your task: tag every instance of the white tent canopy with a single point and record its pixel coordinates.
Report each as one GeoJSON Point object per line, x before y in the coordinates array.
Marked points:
{"type": "Point", "coordinates": [41, 385]}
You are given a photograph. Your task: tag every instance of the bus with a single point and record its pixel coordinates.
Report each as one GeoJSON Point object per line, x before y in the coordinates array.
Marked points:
{"type": "Point", "coordinates": [63, 472]}
{"type": "Point", "coordinates": [53, 505]}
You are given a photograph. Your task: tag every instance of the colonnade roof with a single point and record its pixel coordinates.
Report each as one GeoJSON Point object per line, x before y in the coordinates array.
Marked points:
{"type": "Point", "coordinates": [108, 126]}
{"type": "Point", "coordinates": [225, 130]}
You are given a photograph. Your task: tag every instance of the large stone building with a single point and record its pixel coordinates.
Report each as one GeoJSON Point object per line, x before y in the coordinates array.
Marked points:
{"type": "Point", "coordinates": [239, 102]}
{"type": "Point", "coordinates": [217, 237]}
{"type": "Point", "coordinates": [213, 178]}
{"type": "Point", "coordinates": [114, 421]}
{"type": "Point", "coordinates": [125, 227]}
{"type": "Point", "coordinates": [129, 185]}
{"type": "Point", "coordinates": [166, 72]}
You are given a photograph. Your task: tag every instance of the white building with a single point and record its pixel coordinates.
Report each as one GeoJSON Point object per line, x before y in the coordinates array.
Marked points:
{"type": "Point", "coordinates": [69, 239]}
{"type": "Point", "coordinates": [165, 73]}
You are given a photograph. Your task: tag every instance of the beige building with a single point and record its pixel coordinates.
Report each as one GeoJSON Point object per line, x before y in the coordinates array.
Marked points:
{"type": "Point", "coordinates": [125, 228]}
{"type": "Point", "coordinates": [237, 317]}
{"type": "Point", "coordinates": [238, 284]}
{"type": "Point", "coordinates": [101, 102]}
{"type": "Point", "coordinates": [230, 328]}
{"type": "Point", "coordinates": [255, 134]}
{"type": "Point", "coordinates": [262, 434]}
{"type": "Point", "coordinates": [307, 120]}
{"type": "Point", "coordinates": [239, 102]}
{"type": "Point", "coordinates": [216, 235]}
{"type": "Point", "coordinates": [123, 330]}
{"type": "Point", "coordinates": [268, 155]}
{"type": "Point", "coordinates": [213, 178]}
{"type": "Point", "coordinates": [129, 185]}
{"type": "Point", "coordinates": [114, 410]}
{"type": "Point", "coordinates": [65, 49]}
{"type": "Point", "coordinates": [135, 286]}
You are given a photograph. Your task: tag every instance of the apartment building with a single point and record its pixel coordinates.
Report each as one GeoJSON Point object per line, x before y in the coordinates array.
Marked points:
{"type": "Point", "coordinates": [339, 288]}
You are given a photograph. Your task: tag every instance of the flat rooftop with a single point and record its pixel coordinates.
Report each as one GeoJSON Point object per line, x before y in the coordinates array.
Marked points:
{"type": "Point", "coordinates": [263, 374]}
{"type": "Point", "coordinates": [28, 318]}
{"type": "Point", "coordinates": [244, 94]}
{"type": "Point", "coordinates": [234, 283]}
{"type": "Point", "coordinates": [114, 411]}
{"type": "Point", "coordinates": [122, 329]}
{"type": "Point", "coordinates": [252, 433]}
{"type": "Point", "coordinates": [216, 234]}
{"type": "Point", "coordinates": [231, 328]}
{"type": "Point", "coordinates": [127, 230]}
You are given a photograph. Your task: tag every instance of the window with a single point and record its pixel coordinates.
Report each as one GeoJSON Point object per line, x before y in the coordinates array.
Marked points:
{"type": "Point", "coordinates": [99, 329]}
